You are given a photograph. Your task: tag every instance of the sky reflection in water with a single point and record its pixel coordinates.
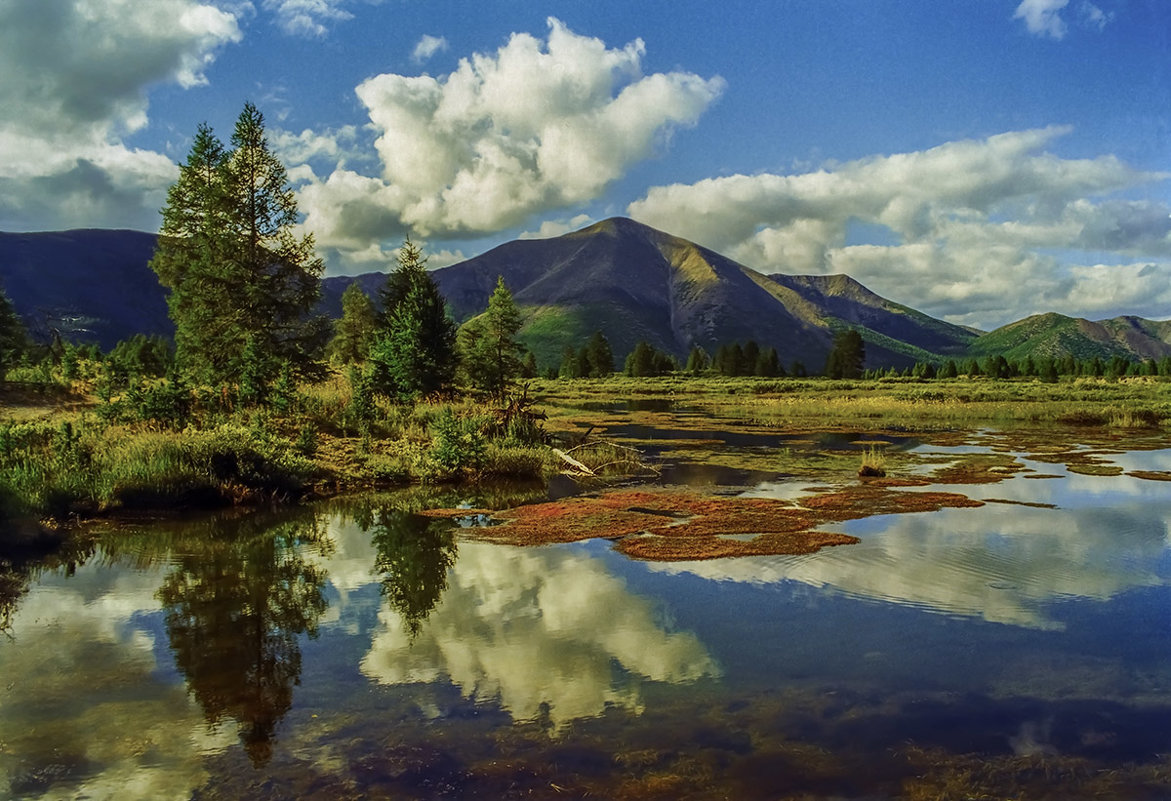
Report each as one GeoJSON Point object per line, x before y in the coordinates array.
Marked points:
{"type": "Point", "coordinates": [257, 642]}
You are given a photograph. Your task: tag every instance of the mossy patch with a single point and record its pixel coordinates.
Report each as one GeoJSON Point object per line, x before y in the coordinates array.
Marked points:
{"type": "Point", "coordinates": [1095, 469]}
{"type": "Point", "coordinates": [978, 468]}
{"type": "Point", "coordinates": [1021, 503]}
{"type": "Point", "coordinates": [668, 525]}
{"type": "Point", "coordinates": [1151, 475]}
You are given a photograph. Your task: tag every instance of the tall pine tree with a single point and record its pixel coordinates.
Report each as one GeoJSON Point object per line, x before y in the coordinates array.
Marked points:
{"type": "Point", "coordinates": [354, 333]}
{"type": "Point", "coordinates": [229, 256]}
{"type": "Point", "coordinates": [414, 354]}
{"type": "Point", "coordinates": [490, 354]}
{"type": "Point", "coordinates": [12, 335]}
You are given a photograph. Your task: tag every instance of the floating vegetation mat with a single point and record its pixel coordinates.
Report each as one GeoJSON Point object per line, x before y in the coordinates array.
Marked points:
{"type": "Point", "coordinates": [671, 525]}
{"type": "Point", "coordinates": [1151, 475]}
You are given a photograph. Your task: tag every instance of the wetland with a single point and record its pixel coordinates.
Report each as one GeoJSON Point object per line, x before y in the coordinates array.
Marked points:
{"type": "Point", "coordinates": [744, 618]}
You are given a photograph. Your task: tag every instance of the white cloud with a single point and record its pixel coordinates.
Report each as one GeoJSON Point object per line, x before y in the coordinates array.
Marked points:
{"type": "Point", "coordinates": [552, 228]}
{"type": "Point", "coordinates": [336, 146]}
{"type": "Point", "coordinates": [307, 17]}
{"type": "Point", "coordinates": [73, 79]}
{"type": "Point", "coordinates": [1043, 17]}
{"type": "Point", "coordinates": [977, 224]}
{"type": "Point", "coordinates": [535, 126]}
{"type": "Point", "coordinates": [427, 47]}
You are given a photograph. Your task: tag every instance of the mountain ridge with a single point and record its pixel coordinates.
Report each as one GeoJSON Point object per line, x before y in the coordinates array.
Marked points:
{"type": "Point", "coordinates": [629, 280]}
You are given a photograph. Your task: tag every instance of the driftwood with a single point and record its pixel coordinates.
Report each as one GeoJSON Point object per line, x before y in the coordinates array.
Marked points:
{"type": "Point", "coordinates": [635, 458]}
{"type": "Point", "coordinates": [574, 463]}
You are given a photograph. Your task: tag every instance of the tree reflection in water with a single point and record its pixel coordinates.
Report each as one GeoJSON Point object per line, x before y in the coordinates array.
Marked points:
{"type": "Point", "coordinates": [414, 555]}
{"type": "Point", "coordinates": [236, 602]}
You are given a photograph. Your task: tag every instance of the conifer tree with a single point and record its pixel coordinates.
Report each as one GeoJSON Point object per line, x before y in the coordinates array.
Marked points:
{"type": "Point", "coordinates": [414, 354]}
{"type": "Point", "coordinates": [599, 356]}
{"type": "Point", "coordinates": [354, 333]}
{"type": "Point", "coordinates": [12, 335]}
{"type": "Point", "coordinates": [698, 360]}
{"type": "Point", "coordinates": [489, 351]}
{"type": "Point", "coordinates": [235, 270]}
{"type": "Point", "coordinates": [568, 368]}
{"type": "Point", "coordinates": [641, 361]}
{"type": "Point", "coordinates": [847, 355]}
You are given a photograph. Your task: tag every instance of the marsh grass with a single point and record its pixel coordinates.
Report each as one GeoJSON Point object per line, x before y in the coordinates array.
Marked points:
{"type": "Point", "coordinates": [910, 404]}
{"type": "Point", "coordinates": [873, 462]}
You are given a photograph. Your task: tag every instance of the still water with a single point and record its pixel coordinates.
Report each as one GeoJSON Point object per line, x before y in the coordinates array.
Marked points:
{"type": "Point", "coordinates": [359, 650]}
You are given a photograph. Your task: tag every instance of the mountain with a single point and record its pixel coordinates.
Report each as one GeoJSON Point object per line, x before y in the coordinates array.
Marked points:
{"type": "Point", "coordinates": [634, 283]}
{"type": "Point", "coordinates": [1055, 335]}
{"type": "Point", "coordinates": [88, 285]}
{"type": "Point", "coordinates": [628, 280]}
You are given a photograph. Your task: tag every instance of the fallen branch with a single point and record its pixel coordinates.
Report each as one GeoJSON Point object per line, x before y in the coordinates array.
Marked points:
{"type": "Point", "coordinates": [574, 463]}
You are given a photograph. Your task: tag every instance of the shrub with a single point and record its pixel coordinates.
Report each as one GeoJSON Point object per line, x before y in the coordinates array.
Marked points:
{"type": "Point", "coordinates": [457, 443]}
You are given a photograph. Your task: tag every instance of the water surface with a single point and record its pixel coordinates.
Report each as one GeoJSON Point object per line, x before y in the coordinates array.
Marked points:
{"type": "Point", "coordinates": [358, 649]}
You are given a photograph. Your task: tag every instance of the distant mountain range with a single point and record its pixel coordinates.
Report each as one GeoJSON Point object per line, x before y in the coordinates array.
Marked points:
{"type": "Point", "coordinates": [618, 276]}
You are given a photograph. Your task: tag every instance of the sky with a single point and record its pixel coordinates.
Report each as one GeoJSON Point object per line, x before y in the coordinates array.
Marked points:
{"type": "Point", "coordinates": [979, 160]}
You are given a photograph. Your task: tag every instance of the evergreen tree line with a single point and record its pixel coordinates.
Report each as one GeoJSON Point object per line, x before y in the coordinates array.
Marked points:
{"type": "Point", "coordinates": [1047, 369]}
{"type": "Point", "coordinates": [595, 359]}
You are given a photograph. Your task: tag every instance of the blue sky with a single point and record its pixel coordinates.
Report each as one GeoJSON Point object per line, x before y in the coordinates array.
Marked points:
{"type": "Point", "coordinates": [981, 160]}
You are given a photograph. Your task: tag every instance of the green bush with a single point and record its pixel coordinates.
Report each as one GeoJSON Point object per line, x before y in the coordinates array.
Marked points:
{"type": "Point", "coordinates": [457, 444]}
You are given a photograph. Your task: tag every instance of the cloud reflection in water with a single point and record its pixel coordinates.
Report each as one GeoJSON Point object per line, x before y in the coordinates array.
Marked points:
{"type": "Point", "coordinates": [540, 631]}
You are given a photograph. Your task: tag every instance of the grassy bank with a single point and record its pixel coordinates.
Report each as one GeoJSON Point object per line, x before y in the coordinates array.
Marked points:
{"type": "Point", "coordinates": [70, 453]}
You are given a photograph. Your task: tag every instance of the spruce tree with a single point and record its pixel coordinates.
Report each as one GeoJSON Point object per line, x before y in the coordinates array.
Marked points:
{"type": "Point", "coordinates": [235, 270]}
{"type": "Point", "coordinates": [354, 333]}
{"type": "Point", "coordinates": [414, 354]}
{"type": "Point", "coordinates": [847, 355]}
{"type": "Point", "coordinates": [12, 335]}
{"type": "Point", "coordinates": [489, 351]}
{"type": "Point", "coordinates": [698, 361]}
{"type": "Point", "coordinates": [599, 356]}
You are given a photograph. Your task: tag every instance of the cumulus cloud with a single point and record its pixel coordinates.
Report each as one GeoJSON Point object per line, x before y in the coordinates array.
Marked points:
{"type": "Point", "coordinates": [427, 47]}
{"type": "Point", "coordinates": [976, 225]}
{"type": "Point", "coordinates": [552, 228]}
{"type": "Point", "coordinates": [537, 125]}
{"type": "Point", "coordinates": [73, 78]}
{"type": "Point", "coordinates": [299, 148]}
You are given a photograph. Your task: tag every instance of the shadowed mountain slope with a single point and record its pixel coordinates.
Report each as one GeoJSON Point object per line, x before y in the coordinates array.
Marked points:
{"type": "Point", "coordinates": [634, 283]}
{"type": "Point", "coordinates": [88, 285]}
{"type": "Point", "coordinates": [618, 276]}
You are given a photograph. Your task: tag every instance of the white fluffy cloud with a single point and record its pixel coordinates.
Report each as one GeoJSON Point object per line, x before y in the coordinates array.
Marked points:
{"type": "Point", "coordinates": [977, 225]}
{"type": "Point", "coordinates": [535, 126]}
{"type": "Point", "coordinates": [427, 47]}
{"type": "Point", "coordinates": [1043, 17]}
{"type": "Point", "coordinates": [73, 78]}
